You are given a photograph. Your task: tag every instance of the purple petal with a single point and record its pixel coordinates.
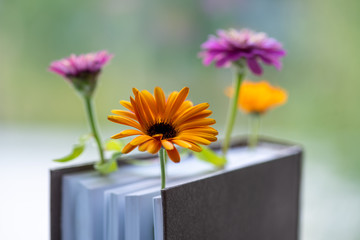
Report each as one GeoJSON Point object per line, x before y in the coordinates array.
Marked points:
{"type": "Point", "coordinates": [222, 61]}
{"type": "Point", "coordinates": [254, 66]}
{"type": "Point", "coordinates": [208, 59]}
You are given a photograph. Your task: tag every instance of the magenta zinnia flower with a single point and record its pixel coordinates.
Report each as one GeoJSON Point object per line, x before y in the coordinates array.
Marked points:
{"type": "Point", "coordinates": [75, 66]}
{"type": "Point", "coordinates": [231, 46]}
{"type": "Point", "coordinates": [81, 70]}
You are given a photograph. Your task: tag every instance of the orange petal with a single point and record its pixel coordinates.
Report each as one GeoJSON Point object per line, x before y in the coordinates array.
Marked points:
{"type": "Point", "coordinates": [135, 91]}
{"type": "Point", "coordinates": [146, 109]}
{"type": "Point", "coordinates": [167, 145]}
{"type": "Point", "coordinates": [154, 146]}
{"type": "Point", "coordinates": [208, 130]}
{"type": "Point", "coordinates": [150, 101]}
{"type": "Point", "coordinates": [181, 143]}
{"type": "Point", "coordinates": [195, 147]}
{"type": "Point", "coordinates": [158, 136]}
{"type": "Point", "coordinates": [190, 118]}
{"type": "Point", "coordinates": [140, 139]}
{"type": "Point", "coordinates": [179, 100]}
{"type": "Point", "coordinates": [174, 155]}
{"type": "Point", "coordinates": [169, 103]}
{"type": "Point", "coordinates": [193, 110]}
{"type": "Point", "coordinates": [124, 114]}
{"type": "Point", "coordinates": [139, 107]}
{"type": "Point", "coordinates": [160, 99]}
{"type": "Point", "coordinates": [195, 139]}
{"type": "Point", "coordinates": [138, 112]}
{"type": "Point", "coordinates": [128, 148]}
{"type": "Point", "coordinates": [125, 121]}
{"type": "Point", "coordinates": [143, 147]}
{"type": "Point", "coordinates": [202, 114]}
{"type": "Point", "coordinates": [126, 133]}
{"type": "Point", "coordinates": [184, 106]}
{"type": "Point", "coordinates": [197, 123]}
{"type": "Point", "coordinates": [210, 137]}
{"type": "Point", "coordinates": [127, 105]}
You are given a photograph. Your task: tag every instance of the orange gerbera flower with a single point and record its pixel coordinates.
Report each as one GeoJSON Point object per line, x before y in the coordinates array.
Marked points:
{"type": "Point", "coordinates": [258, 97]}
{"type": "Point", "coordinates": [162, 122]}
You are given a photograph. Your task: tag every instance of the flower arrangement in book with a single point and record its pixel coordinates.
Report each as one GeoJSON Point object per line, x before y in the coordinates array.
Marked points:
{"type": "Point", "coordinates": [162, 123]}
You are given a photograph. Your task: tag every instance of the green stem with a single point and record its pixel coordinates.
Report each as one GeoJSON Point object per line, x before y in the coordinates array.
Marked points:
{"type": "Point", "coordinates": [91, 119]}
{"type": "Point", "coordinates": [255, 126]}
{"type": "Point", "coordinates": [233, 109]}
{"type": "Point", "coordinates": [162, 164]}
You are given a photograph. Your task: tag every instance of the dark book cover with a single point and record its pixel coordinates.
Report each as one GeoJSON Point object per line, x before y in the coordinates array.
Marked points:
{"type": "Point", "coordinates": [257, 202]}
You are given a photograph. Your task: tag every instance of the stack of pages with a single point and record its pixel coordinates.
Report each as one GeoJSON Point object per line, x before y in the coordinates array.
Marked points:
{"type": "Point", "coordinates": [129, 204]}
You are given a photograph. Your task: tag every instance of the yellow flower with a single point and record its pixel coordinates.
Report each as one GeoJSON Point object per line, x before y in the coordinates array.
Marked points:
{"type": "Point", "coordinates": [258, 97]}
{"type": "Point", "coordinates": [162, 122]}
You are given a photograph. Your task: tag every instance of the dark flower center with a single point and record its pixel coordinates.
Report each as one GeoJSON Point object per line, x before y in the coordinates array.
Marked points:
{"type": "Point", "coordinates": [166, 129]}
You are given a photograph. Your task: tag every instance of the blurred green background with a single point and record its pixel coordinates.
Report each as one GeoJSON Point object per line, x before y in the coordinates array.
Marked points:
{"type": "Point", "coordinates": [155, 43]}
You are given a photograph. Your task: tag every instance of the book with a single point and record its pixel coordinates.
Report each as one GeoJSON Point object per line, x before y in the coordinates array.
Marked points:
{"type": "Point", "coordinates": [255, 196]}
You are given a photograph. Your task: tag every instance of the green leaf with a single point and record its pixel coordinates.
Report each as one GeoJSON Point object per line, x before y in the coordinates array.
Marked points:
{"type": "Point", "coordinates": [210, 156]}
{"type": "Point", "coordinates": [114, 145]}
{"type": "Point", "coordinates": [109, 166]}
{"type": "Point", "coordinates": [77, 150]}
